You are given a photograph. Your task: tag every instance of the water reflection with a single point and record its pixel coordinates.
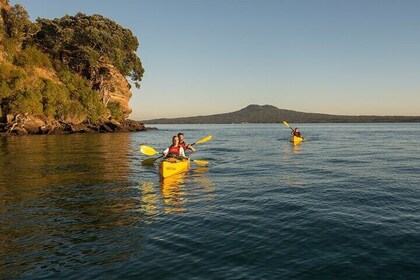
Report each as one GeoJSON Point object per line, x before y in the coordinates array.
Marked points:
{"type": "Point", "coordinates": [56, 160]}
{"type": "Point", "coordinates": [173, 193]}
{"type": "Point", "coordinates": [59, 193]}
{"type": "Point", "coordinates": [203, 183]}
{"type": "Point", "coordinates": [149, 200]}
{"type": "Point", "coordinates": [290, 153]}
{"type": "Point", "coordinates": [292, 159]}
{"type": "Point", "coordinates": [65, 201]}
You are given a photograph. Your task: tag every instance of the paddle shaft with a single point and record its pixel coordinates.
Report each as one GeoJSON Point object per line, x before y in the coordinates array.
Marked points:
{"type": "Point", "coordinates": [161, 156]}
{"type": "Point", "coordinates": [291, 128]}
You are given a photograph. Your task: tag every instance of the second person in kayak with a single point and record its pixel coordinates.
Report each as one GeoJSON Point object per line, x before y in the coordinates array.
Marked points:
{"type": "Point", "coordinates": [175, 150]}
{"type": "Point", "coordinates": [183, 144]}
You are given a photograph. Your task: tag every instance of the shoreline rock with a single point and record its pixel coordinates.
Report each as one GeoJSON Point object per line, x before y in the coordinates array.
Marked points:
{"type": "Point", "coordinates": [27, 125]}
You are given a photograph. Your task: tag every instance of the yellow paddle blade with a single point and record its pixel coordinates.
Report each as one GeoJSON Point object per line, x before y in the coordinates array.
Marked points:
{"type": "Point", "coordinates": [148, 151]}
{"type": "Point", "coordinates": [201, 162]}
{"type": "Point", "coordinates": [204, 140]}
{"type": "Point", "coordinates": [149, 161]}
{"type": "Point", "coordinates": [286, 124]}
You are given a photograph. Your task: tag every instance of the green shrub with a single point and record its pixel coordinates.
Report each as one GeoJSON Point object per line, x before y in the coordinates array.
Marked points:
{"type": "Point", "coordinates": [14, 77]}
{"type": "Point", "coordinates": [27, 102]}
{"type": "Point", "coordinates": [55, 97]}
{"type": "Point", "coordinates": [79, 90]}
{"type": "Point", "coordinates": [11, 46]}
{"type": "Point", "coordinates": [115, 110]}
{"type": "Point", "coordinates": [74, 112]}
{"type": "Point", "coordinates": [32, 57]}
{"type": "Point", "coordinates": [5, 90]}
{"type": "Point", "coordinates": [95, 108]}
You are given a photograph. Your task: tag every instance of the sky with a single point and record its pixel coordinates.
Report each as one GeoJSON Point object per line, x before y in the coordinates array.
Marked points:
{"type": "Point", "coordinates": [322, 56]}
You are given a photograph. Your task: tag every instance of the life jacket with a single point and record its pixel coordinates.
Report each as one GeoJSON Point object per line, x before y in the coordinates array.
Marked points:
{"type": "Point", "coordinates": [297, 134]}
{"type": "Point", "coordinates": [174, 150]}
{"type": "Point", "coordinates": [182, 145]}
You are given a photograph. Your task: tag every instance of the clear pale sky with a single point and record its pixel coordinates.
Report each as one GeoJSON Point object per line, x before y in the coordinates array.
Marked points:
{"type": "Point", "coordinates": [204, 57]}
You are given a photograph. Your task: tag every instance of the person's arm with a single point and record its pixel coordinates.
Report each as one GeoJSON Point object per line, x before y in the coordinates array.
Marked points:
{"type": "Point", "coordinates": [181, 152]}
{"type": "Point", "coordinates": [165, 152]}
{"type": "Point", "coordinates": [190, 147]}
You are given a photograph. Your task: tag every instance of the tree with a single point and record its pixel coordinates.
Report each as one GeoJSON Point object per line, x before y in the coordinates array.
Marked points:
{"type": "Point", "coordinates": [18, 24]}
{"type": "Point", "coordinates": [83, 42]}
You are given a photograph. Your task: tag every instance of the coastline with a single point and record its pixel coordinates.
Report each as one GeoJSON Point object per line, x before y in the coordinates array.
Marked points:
{"type": "Point", "coordinates": [18, 127]}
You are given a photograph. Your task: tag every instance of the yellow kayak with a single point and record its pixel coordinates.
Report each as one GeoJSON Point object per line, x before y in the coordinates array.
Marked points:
{"type": "Point", "coordinates": [171, 166]}
{"type": "Point", "coordinates": [296, 140]}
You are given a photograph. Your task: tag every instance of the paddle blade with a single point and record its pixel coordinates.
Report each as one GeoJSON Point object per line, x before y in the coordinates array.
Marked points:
{"type": "Point", "coordinates": [286, 124]}
{"type": "Point", "coordinates": [201, 162]}
{"type": "Point", "coordinates": [149, 161]}
{"type": "Point", "coordinates": [204, 140]}
{"type": "Point", "coordinates": [148, 151]}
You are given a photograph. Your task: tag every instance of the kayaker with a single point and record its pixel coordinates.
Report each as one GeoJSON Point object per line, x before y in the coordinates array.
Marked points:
{"type": "Point", "coordinates": [183, 144]}
{"type": "Point", "coordinates": [296, 133]}
{"type": "Point", "coordinates": [175, 150]}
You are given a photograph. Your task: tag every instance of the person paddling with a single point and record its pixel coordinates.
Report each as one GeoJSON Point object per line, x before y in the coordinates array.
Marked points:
{"type": "Point", "coordinates": [175, 150]}
{"type": "Point", "coordinates": [183, 144]}
{"type": "Point", "coordinates": [296, 133]}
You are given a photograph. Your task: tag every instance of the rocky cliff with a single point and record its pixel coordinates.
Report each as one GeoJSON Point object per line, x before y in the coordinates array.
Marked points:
{"type": "Point", "coordinates": [113, 87]}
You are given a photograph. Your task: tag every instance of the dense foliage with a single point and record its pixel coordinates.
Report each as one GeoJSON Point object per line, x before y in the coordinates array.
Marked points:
{"type": "Point", "coordinates": [17, 23]}
{"type": "Point", "coordinates": [47, 68]}
{"type": "Point", "coordinates": [83, 41]}
{"type": "Point", "coordinates": [22, 91]}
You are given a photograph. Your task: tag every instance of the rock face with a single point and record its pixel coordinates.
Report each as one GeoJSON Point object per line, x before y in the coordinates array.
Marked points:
{"type": "Point", "coordinates": [113, 87]}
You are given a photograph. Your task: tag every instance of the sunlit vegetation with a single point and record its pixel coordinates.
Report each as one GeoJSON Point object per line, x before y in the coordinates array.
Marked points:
{"type": "Point", "coordinates": [48, 67]}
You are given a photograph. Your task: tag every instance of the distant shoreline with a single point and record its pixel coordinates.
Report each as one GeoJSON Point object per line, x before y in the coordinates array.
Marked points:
{"type": "Point", "coordinates": [271, 114]}
{"type": "Point", "coordinates": [392, 122]}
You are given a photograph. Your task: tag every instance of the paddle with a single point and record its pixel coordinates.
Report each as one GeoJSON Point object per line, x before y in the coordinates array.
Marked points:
{"type": "Point", "coordinates": [200, 162]}
{"type": "Point", "coordinates": [149, 151]}
{"type": "Point", "coordinates": [286, 124]}
{"type": "Point", "coordinates": [151, 161]}
{"type": "Point", "coordinates": [204, 140]}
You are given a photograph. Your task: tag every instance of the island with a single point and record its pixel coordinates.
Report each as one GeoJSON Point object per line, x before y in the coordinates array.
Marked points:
{"type": "Point", "coordinates": [271, 114]}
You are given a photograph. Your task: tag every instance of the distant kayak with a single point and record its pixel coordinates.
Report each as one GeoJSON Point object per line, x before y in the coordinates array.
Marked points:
{"type": "Point", "coordinates": [171, 166]}
{"type": "Point", "coordinates": [296, 140]}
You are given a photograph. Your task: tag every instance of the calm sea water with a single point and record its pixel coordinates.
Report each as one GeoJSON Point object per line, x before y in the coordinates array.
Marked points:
{"type": "Point", "coordinates": [345, 204]}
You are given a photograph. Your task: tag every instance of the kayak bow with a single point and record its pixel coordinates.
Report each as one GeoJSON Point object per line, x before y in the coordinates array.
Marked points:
{"type": "Point", "coordinates": [171, 166]}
